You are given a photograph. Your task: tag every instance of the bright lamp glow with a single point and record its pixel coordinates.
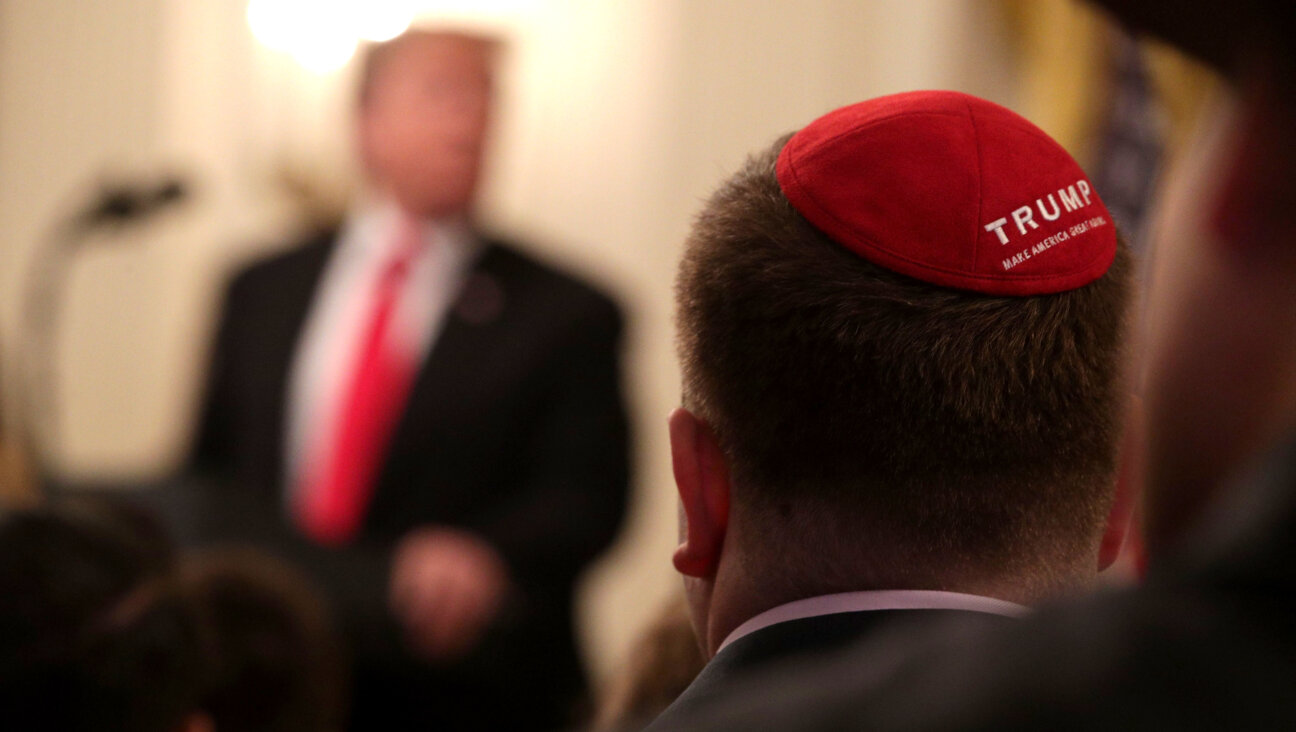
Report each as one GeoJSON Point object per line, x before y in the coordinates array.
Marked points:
{"type": "Point", "coordinates": [322, 35]}
{"type": "Point", "coordinates": [382, 20]}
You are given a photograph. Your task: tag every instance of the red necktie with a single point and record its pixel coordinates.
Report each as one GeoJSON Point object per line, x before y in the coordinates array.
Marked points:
{"type": "Point", "coordinates": [338, 487]}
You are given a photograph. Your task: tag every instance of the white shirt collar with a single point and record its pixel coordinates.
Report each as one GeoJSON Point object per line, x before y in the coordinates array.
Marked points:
{"type": "Point", "coordinates": [847, 602]}
{"type": "Point", "coordinates": [327, 343]}
{"type": "Point", "coordinates": [368, 232]}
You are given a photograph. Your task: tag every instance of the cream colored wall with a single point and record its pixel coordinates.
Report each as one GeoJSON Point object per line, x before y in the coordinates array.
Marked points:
{"type": "Point", "coordinates": [77, 84]}
{"type": "Point", "coordinates": [616, 120]}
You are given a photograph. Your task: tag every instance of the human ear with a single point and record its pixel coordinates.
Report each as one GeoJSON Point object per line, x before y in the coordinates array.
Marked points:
{"type": "Point", "coordinates": [702, 480]}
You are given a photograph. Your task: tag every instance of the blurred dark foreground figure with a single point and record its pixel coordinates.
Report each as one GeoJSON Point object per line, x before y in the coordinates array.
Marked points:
{"type": "Point", "coordinates": [95, 631]}
{"type": "Point", "coordinates": [104, 627]}
{"type": "Point", "coordinates": [1208, 642]}
{"type": "Point", "coordinates": [273, 662]}
{"type": "Point", "coordinates": [902, 339]}
{"type": "Point", "coordinates": [661, 664]}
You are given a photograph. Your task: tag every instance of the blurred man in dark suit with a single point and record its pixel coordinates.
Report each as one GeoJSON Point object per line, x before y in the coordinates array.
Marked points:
{"type": "Point", "coordinates": [901, 333]}
{"type": "Point", "coordinates": [428, 417]}
{"type": "Point", "coordinates": [1208, 642]}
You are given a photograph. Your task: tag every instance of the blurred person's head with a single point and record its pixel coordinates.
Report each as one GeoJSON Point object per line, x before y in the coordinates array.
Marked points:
{"type": "Point", "coordinates": [273, 664]}
{"type": "Point", "coordinates": [16, 486]}
{"type": "Point", "coordinates": [1229, 36]}
{"type": "Point", "coordinates": [661, 664]}
{"type": "Point", "coordinates": [847, 426]}
{"type": "Point", "coordinates": [423, 110]}
{"type": "Point", "coordinates": [1222, 312]}
{"type": "Point", "coordinates": [95, 634]}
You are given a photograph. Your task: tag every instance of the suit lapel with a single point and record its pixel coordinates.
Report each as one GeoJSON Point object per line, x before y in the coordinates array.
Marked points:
{"type": "Point", "coordinates": [283, 314]}
{"type": "Point", "coordinates": [464, 346]}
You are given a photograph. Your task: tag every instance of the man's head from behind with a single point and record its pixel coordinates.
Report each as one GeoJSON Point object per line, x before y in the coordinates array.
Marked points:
{"type": "Point", "coordinates": [901, 334]}
{"type": "Point", "coordinates": [94, 632]}
{"type": "Point", "coordinates": [273, 665]}
{"type": "Point", "coordinates": [423, 109]}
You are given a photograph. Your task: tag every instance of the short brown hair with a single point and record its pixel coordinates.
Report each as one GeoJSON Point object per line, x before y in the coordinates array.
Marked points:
{"type": "Point", "coordinates": [95, 633]}
{"type": "Point", "coordinates": [274, 664]}
{"type": "Point", "coordinates": [374, 57]}
{"type": "Point", "coordinates": [949, 430]}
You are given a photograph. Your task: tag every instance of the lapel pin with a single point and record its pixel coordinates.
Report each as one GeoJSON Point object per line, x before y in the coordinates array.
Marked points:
{"type": "Point", "coordinates": [482, 300]}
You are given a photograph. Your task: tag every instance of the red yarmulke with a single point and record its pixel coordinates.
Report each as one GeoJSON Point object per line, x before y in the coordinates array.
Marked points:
{"type": "Point", "coordinates": [952, 190]}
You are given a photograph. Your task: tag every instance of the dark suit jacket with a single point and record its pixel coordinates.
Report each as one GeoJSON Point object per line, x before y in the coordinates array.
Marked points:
{"type": "Point", "coordinates": [1208, 643]}
{"type": "Point", "coordinates": [515, 430]}
{"type": "Point", "coordinates": [763, 653]}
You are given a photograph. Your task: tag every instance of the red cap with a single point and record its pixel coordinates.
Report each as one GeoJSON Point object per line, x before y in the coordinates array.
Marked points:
{"type": "Point", "coordinates": [952, 190]}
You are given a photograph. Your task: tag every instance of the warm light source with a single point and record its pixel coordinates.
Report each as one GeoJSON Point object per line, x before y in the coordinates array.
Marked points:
{"type": "Point", "coordinates": [382, 21]}
{"type": "Point", "coordinates": [322, 35]}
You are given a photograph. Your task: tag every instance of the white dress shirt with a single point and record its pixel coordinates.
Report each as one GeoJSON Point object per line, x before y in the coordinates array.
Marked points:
{"type": "Point", "coordinates": [848, 602]}
{"type": "Point", "coordinates": [340, 310]}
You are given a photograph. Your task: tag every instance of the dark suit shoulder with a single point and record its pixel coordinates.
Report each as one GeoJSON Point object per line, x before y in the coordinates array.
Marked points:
{"type": "Point", "coordinates": [305, 258]}
{"type": "Point", "coordinates": [263, 308]}
{"type": "Point", "coordinates": [764, 656]}
{"type": "Point", "coordinates": [538, 284]}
